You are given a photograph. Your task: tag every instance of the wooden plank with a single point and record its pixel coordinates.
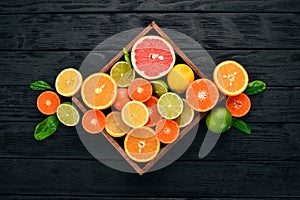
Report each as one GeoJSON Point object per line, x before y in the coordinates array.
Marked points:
{"type": "Point", "coordinates": [38, 197]}
{"type": "Point", "coordinates": [35, 6]}
{"type": "Point", "coordinates": [269, 141]}
{"type": "Point", "coordinates": [212, 30]}
{"type": "Point", "coordinates": [18, 104]}
{"type": "Point", "coordinates": [181, 179]}
{"type": "Point", "coordinates": [275, 67]}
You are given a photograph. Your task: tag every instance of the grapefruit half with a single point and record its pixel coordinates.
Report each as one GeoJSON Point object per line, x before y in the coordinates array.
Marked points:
{"type": "Point", "coordinates": [152, 57]}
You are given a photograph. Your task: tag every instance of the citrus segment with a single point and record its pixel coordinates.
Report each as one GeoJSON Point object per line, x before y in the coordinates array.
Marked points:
{"type": "Point", "coordinates": [152, 57]}
{"type": "Point", "coordinates": [141, 144]}
{"type": "Point", "coordinates": [170, 105]}
{"type": "Point", "coordinates": [122, 73]}
{"type": "Point", "coordinates": [67, 114]}
{"type": "Point", "coordinates": [47, 102]}
{"type": "Point", "coordinates": [99, 91]}
{"type": "Point", "coordinates": [159, 88]}
{"type": "Point", "coordinates": [238, 105]}
{"type": "Point", "coordinates": [180, 77]}
{"type": "Point", "coordinates": [202, 95]}
{"type": "Point", "coordinates": [135, 114]}
{"type": "Point", "coordinates": [68, 82]}
{"type": "Point", "coordinates": [115, 125]}
{"type": "Point", "coordinates": [154, 115]}
{"type": "Point", "coordinates": [121, 99]}
{"type": "Point", "coordinates": [230, 77]}
{"type": "Point", "coordinates": [167, 131]}
{"type": "Point", "coordinates": [93, 121]}
{"type": "Point", "coordinates": [187, 115]}
{"type": "Point", "coordinates": [140, 90]}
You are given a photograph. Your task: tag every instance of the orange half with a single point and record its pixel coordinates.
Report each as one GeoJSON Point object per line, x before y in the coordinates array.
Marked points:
{"type": "Point", "coordinates": [99, 91]}
{"type": "Point", "coordinates": [141, 144]}
{"type": "Point", "coordinates": [230, 77]}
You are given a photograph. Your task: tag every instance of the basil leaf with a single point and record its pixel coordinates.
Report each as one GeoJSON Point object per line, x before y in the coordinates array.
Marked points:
{"type": "Point", "coordinates": [241, 126]}
{"type": "Point", "coordinates": [40, 85]}
{"type": "Point", "coordinates": [255, 87]}
{"type": "Point", "coordinates": [126, 56]}
{"type": "Point", "coordinates": [46, 127]}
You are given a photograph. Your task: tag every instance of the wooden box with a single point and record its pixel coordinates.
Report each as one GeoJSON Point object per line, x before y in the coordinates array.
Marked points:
{"type": "Point", "coordinates": [153, 27]}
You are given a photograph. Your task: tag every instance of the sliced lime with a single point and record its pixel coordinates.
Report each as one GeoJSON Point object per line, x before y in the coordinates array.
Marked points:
{"type": "Point", "coordinates": [186, 116]}
{"type": "Point", "coordinates": [159, 88]}
{"type": "Point", "coordinates": [67, 114]}
{"type": "Point", "coordinates": [122, 73]}
{"type": "Point", "coordinates": [170, 105]}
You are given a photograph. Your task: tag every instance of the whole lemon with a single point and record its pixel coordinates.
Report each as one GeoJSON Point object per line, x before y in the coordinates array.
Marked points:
{"type": "Point", "coordinates": [180, 77]}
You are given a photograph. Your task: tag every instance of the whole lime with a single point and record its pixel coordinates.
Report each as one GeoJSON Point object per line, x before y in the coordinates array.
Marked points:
{"type": "Point", "coordinates": [219, 120]}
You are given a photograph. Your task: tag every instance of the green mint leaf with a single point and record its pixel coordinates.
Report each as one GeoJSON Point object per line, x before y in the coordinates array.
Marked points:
{"type": "Point", "coordinates": [46, 128]}
{"type": "Point", "coordinates": [241, 125]}
{"type": "Point", "coordinates": [126, 56]}
{"type": "Point", "coordinates": [40, 85]}
{"type": "Point", "coordinates": [255, 87]}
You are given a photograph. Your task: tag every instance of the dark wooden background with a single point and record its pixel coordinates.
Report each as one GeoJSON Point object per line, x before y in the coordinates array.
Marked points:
{"type": "Point", "coordinates": [41, 37]}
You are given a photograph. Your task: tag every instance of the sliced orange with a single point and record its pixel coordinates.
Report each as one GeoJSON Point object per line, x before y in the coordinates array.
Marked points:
{"type": "Point", "coordinates": [154, 115]}
{"type": "Point", "coordinates": [115, 125]}
{"type": "Point", "coordinates": [141, 144]}
{"type": "Point", "coordinates": [238, 105]}
{"type": "Point", "coordinates": [93, 121]}
{"type": "Point", "coordinates": [140, 90]}
{"type": "Point", "coordinates": [135, 114]}
{"type": "Point", "coordinates": [230, 77]}
{"type": "Point", "coordinates": [167, 131]}
{"type": "Point", "coordinates": [202, 95]}
{"type": "Point", "coordinates": [99, 91]}
{"type": "Point", "coordinates": [47, 102]}
{"type": "Point", "coordinates": [68, 82]}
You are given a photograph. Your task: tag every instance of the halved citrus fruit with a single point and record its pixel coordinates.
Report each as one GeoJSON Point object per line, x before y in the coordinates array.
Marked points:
{"type": "Point", "coordinates": [170, 105]}
{"type": "Point", "coordinates": [47, 102]}
{"type": "Point", "coordinates": [67, 114]}
{"type": "Point", "coordinates": [122, 73]}
{"type": "Point", "coordinates": [115, 125]}
{"type": "Point", "coordinates": [121, 99]}
{"type": "Point", "coordinates": [135, 114]}
{"type": "Point", "coordinates": [187, 115]}
{"type": "Point", "coordinates": [152, 57]}
{"type": "Point", "coordinates": [99, 91]}
{"type": "Point", "coordinates": [159, 88]}
{"type": "Point", "coordinates": [202, 95]}
{"type": "Point", "coordinates": [93, 121]}
{"type": "Point", "coordinates": [68, 82]}
{"type": "Point", "coordinates": [141, 144]}
{"type": "Point", "coordinates": [230, 77]}
{"type": "Point", "coordinates": [180, 77]}
{"type": "Point", "coordinates": [140, 90]}
{"type": "Point", "coordinates": [167, 131]}
{"type": "Point", "coordinates": [238, 105]}
{"type": "Point", "coordinates": [154, 115]}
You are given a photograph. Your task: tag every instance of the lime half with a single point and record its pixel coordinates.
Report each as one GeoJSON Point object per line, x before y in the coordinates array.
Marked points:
{"type": "Point", "coordinates": [186, 116]}
{"type": "Point", "coordinates": [170, 105]}
{"type": "Point", "coordinates": [159, 88]}
{"type": "Point", "coordinates": [67, 114]}
{"type": "Point", "coordinates": [122, 73]}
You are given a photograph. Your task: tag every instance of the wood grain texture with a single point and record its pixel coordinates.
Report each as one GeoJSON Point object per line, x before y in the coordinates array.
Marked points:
{"type": "Point", "coordinates": [42, 6]}
{"type": "Point", "coordinates": [181, 179]}
{"type": "Point", "coordinates": [269, 141]}
{"type": "Point", "coordinates": [39, 197]}
{"type": "Point", "coordinates": [212, 30]}
{"type": "Point", "coordinates": [19, 105]}
{"type": "Point", "coordinates": [275, 67]}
